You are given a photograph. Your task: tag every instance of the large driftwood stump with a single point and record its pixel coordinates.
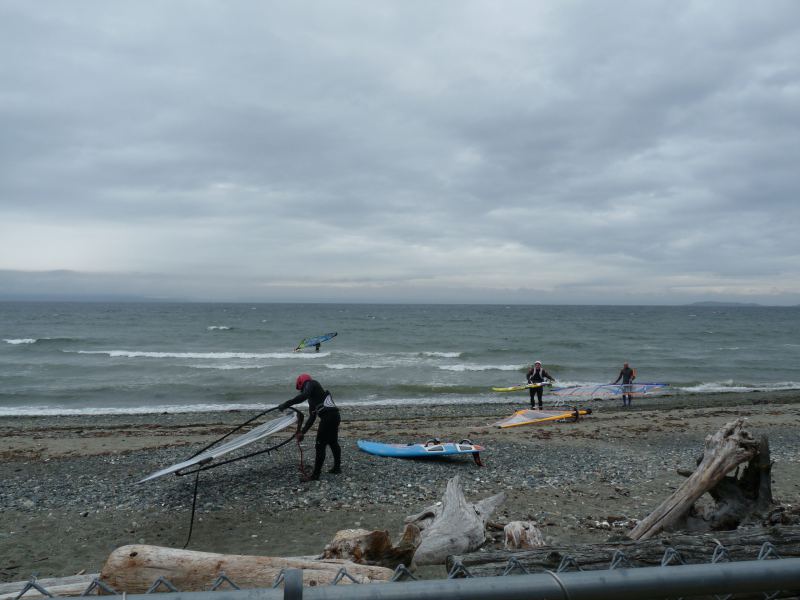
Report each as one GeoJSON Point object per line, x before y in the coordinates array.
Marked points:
{"type": "Point", "coordinates": [452, 525]}
{"type": "Point", "coordinates": [374, 547]}
{"type": "Point", "coordinates": [742, 544]}
{"type": "Point", "coordinates": [133, 569]}
{"type": "Point", "coordinates": [745, 497]}
{"type": "Point", "coordinates": [724, 451]}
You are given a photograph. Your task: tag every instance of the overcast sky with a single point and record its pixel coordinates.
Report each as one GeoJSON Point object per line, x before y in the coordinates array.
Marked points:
{"type": "Point", "coordinates": [447, 151]}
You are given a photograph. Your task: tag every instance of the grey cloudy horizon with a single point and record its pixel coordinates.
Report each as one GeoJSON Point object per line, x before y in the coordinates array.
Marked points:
{"type": "Point", "coordinates": [546, 152]}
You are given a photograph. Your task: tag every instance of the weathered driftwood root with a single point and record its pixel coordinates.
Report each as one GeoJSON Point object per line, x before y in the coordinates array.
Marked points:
{"type": "Point", "coordinates": [743, 498]}
{"type": "Point", "coordinates": [133, 569]}
{"type": "Point", "coordinates": [374, 547]}
{"type": "Point", "coordinates": [743, 544]}
{"type": "Point", "coordinates": [724, 451]}
{"type": "Point", "coordinates": [520, 535]}
{"type": "Point", "coordinates": [453, 525]}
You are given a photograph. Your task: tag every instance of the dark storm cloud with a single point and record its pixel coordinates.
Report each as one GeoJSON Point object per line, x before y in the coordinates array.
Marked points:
{"type": "Point", "coordinates": [587, 152]}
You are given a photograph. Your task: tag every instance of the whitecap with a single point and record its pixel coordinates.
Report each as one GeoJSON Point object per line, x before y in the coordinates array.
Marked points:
{"type": "Point", "coordinates": [20, 341]}
{"type": "Point", "coordinates": [339, 367]}
{"type": "Point", "coordinates": [198, 355]}
{"type": "Point", "coordinates": [461, 368]}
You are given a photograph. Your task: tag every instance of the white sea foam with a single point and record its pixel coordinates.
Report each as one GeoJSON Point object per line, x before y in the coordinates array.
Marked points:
{"type": "Point", "coordinates": [461, 368]}
{"type": "Point", "coordinates": [442, 354]}
{"type": "Point", "coordinates": [731, 386]}
{"type": "Point", "coordinates": [21, 341]}
{"type": "Point", "coordinates": [228, 367]}
{"type": "Point", "coordinates": [218, 328]}
{"type": "Point", "coordinates": [27, 411]}
{"type": "Point", "coordinates": [340, 366]}
{"type": "Point", "coordinates": [201, 355]}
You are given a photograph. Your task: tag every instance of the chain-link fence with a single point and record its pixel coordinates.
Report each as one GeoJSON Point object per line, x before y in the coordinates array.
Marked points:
{"type": "Point", "coordinates": [768, 576]}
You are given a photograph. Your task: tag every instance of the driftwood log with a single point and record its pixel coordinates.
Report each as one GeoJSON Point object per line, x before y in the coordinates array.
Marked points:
{"type": "Point", "coordinates": [73, 585]}
{"type": "Point", "coordinates": [743, 544]}
{"type": "Point", "coordinates": [724, 451]}
{"type": "Point", "coordinates": [374, 547]}
{"type": "Point", "coordinates": [133, 569]}
{"type": "Point", "coordinates": [452, 525]}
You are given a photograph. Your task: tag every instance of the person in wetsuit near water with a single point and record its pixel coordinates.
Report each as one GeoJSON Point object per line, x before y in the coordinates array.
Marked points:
{"type": "Point", "coordinates": [320, 404]}
{"type": "Point", "coordinates": [627, 375]}
{"type": "Point", "coordinates": [537, 374]}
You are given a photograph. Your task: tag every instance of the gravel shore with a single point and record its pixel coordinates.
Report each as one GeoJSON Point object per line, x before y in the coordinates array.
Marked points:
{"type": "Point", "coordinates": [69, 491]}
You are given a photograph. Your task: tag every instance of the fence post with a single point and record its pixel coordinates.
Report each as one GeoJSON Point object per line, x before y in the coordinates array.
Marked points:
{"type": "Point", "coordinates": [293, 584]}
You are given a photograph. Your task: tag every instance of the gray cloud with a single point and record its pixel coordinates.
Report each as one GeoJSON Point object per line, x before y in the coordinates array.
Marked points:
{"type": "Point", "coordinates": [555, 152]}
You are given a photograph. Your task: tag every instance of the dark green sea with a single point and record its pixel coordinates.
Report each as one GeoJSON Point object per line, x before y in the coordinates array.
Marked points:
{"type": "Point", "coordinates": [67, 358]}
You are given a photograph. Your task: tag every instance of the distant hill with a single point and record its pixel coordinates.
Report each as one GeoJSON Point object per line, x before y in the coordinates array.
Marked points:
{"type": "Point", "coordinates": [722, 304]}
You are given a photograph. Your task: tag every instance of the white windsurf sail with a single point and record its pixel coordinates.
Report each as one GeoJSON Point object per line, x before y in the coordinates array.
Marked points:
{"type": "Point", "coordinates": [210, 455]}
{"type": "Point", "coordinates": [605, 390]}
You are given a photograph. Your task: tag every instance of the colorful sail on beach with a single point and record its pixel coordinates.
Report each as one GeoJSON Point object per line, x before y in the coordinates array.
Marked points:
{"type": "Point", "coordinates": [533, 417]}
{"type": "Point", "coordinates": [606, 390]}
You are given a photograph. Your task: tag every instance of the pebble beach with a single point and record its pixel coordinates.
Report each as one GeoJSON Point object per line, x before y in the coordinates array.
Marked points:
{"type": "Point", "coordinates": [70, 494]}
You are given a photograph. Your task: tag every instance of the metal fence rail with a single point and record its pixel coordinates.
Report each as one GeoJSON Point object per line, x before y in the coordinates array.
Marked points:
{"type": "Point", "coordinates": [770, 576]}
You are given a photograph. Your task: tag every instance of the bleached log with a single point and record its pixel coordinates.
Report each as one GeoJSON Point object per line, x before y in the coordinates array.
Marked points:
{"type": "Point", "coordinates": [724, 451]}
{"type": "Point", "coordinates": [522, 535]}
{"type": "Point", "coordinates": [73, 585]}
{"type": "Point", "coordinates": [453, 525]}
{"type": "Point", "coordinates": [133, 569]}
{"type": "Point", "coordinates": [742, 544]}
{"type": "Point", "coordinates": [374, 547]}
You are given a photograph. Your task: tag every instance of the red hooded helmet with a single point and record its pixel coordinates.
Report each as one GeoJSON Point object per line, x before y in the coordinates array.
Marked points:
{"type": "Point", "coordinates": [301, 379]}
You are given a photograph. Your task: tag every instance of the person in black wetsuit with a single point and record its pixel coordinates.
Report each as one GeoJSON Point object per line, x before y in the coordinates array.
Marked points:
{"type": "Point", "coordinates": [320, 404]}
{"type": "Point", "coordinates": [537, 374]}
{"type": "Point", "coordinates": [627, 375]}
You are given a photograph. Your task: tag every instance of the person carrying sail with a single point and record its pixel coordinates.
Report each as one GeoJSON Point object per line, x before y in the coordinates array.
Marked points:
{"type": "Point", "coordinates": [537, 374]}
{"type": "Point", "coordinates": [320, 404]}
{"type": "Point", "coordinates": [627, 375]}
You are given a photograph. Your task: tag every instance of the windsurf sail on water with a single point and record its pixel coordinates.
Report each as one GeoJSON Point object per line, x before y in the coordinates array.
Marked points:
{"type": "Point", "coordinates": [532, 417]}
{"type": "Point", "coordinates": [206, 458]}
{"type": "Point", "coordinates": [605, 390]}
{"type": "Point", "coordinates": [313, 341]}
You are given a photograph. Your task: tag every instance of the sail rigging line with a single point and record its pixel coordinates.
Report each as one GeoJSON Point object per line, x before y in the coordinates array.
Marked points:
{"type": "Point", "coordinates": [206, 467]}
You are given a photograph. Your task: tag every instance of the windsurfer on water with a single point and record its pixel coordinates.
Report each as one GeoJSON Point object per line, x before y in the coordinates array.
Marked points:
{"type": "Point", "coordinates": [537, 374]}
{"type": "Point", "coordinates": [627, 375]}
{"type": "Point", "coordinates": [320, 404]}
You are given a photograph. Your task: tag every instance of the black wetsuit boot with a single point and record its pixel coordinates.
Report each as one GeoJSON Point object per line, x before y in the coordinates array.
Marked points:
{"type": "Point", "coordinates": [327, 435]}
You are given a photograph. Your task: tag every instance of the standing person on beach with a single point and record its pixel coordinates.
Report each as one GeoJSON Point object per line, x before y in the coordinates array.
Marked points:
{"type": "Point", "coordinates": [627, 375]}
{"type": "Point", "coordinates": [537, 374]}
{"type": "Point", "coordinates": [320, 404]}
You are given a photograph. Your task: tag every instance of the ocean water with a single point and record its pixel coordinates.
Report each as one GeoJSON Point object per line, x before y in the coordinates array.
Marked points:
{"type": "Point", "coordinates": [68, 358]}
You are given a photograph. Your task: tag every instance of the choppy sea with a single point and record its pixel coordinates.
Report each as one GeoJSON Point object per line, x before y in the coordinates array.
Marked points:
{"type": "Point", "coordinates": [100, 358]}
